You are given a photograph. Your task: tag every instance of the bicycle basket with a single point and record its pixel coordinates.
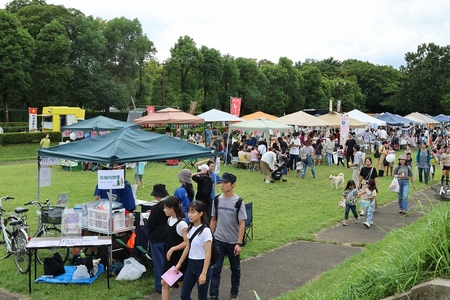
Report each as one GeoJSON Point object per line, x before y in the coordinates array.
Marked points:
{"type": "Point", "coordinates": [52, 215]}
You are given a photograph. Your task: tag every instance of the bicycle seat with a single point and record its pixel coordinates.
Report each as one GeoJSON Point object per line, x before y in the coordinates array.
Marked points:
{"type": "Point", "coordinates": [20, 210]}
{"type": "Point", "coordinates": [15, 222]}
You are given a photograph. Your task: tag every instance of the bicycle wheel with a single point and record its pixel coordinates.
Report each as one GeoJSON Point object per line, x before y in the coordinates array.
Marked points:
{"type": "Point", "coordinates": [20, 252]}
{"type": "Point", "coordinates": [4, 253]}
{"type": "Point", "coordinates": [41, 254]}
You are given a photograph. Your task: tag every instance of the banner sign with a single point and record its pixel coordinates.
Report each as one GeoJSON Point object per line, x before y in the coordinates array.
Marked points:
{"type": "Point", "coordinates": [345, 129]}
{"type": "Point", "coordinates": [150, 109]}
{"type": "Point", "coordinates": [32, 121]}
{"type": "Point", "coordinates": [235, 106]}
{"type": "Point", "coordinates": [192, 107]}
{"type": "Point", "coordinates": [111, 179]}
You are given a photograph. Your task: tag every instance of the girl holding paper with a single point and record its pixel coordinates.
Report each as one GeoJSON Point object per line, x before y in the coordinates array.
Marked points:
{"type": "Point", "coordinates": [176, 241]}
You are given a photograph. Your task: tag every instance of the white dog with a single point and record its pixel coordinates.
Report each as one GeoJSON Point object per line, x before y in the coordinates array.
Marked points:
{"type": "Point", "coordinates": [337, 181]}
{"type": "Point", "coordinates": [299, 168]}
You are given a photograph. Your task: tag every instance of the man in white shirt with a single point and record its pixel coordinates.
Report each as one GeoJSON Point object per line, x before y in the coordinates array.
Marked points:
{"type": "Point", "coordinates": [294, 150]}
{"type": "Point", "coordinates": [383, 134]}
{"type": "Point", "coordinates": [267, 165]}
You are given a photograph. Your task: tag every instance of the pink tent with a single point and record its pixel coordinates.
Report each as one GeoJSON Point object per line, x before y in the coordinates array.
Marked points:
{"type": "Point", "coordinates": [169, 116]}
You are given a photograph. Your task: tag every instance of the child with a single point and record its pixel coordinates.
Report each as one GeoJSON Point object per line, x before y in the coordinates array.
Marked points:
{"type": "Point", "coordinates": [349, 195]}
{"type": "Point", "coordinates": [340, 155]}
{"type": "Point", "coordinates": [370, 195]}
{"type": "Point", "coordinates": [177, 239]}
{"type": "Point", "coordinates": [433, 161]}
{"type": "Point", "coordinates": [254, 159]}
{"type": "Point", "coordinates": [318, 153]}
{"type": "Point", "coordinates": [390, 167]}
{"type": "Point", "coordinates": [408, 159]}
{"type": "Point", "coordinates": [198, 252]}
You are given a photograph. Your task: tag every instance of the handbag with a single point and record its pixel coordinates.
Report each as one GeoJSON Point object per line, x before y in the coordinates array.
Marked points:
{"type": "Point", "coordinates": [394, 187]}
{"type": "Point", "coordinates": [54, 265]}
{"type": "Point", "coordinates": [377, 153]}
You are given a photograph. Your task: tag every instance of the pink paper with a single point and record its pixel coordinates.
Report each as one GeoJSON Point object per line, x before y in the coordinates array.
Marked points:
{"type": "Point", "coordinates": [170, 276]}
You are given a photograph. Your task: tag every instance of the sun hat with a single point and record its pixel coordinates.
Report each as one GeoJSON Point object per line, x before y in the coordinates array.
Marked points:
{"type": "Point", "coordinates": [185, 176]}
{"type": "Point", "coordinates": [159, 190]}
{"type": "Point", "coordinates": [402, 157]}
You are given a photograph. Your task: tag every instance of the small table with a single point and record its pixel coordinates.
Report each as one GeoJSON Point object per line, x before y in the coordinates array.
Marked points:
{"type": "Point", "coordinates": [36, 243]}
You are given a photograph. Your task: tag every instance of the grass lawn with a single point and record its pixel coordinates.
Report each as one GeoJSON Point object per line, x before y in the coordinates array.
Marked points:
{"type": "Point", "coordinates": [307, 206]}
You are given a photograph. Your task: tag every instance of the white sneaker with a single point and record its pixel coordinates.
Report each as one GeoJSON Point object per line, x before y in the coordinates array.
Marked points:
{"type": "Point", "coordinates": [363, 213]}
{"type": "Point", "coordinates": [367, 224]}
{"type": "Point", "coordinates": [356, 221]}
{"type": "Point", "coordinates": [267, 181]}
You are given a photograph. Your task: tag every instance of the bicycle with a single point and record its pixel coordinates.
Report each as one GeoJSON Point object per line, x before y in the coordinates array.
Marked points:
{"type": "Point", "coordinates": [14, 237]}
{"type": "Point", "coordinates": [49, 218]}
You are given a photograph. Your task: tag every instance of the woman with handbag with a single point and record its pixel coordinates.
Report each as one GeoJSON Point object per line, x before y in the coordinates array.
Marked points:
{"type": "Point", "coordinates": [404, 174]}
{"type": "Point", "coordinates": [380, 162]}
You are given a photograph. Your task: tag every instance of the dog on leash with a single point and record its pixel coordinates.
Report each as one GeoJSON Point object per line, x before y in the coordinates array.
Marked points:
{"type": "Point", "coordinates": [337, 181]}
{"type": "Point", "coordinates": [299, 168]}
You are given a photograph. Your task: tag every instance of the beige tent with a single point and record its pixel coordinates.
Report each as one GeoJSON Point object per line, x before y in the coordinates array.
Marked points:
{"type": "Point", "coordinates": [421, 118]}
{"type": "Point", "coordinates": [334, 119]}
{"type": "Point", "coordinates": [301, 118]}
{"type": "Point", "coordinates": [169, 116]}
{"type": "Point", "coordinates": [258, 115]}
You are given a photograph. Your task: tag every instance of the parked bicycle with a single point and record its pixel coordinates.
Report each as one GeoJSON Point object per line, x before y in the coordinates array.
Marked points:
{"type": "Point", "coordinates": [14, 237]}
{"type": "Point", "coordinates": [49, 222]}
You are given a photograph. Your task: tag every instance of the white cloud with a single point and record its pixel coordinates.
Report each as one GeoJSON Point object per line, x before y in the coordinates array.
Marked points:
{"type": "Point", "coordinates": [377, 31]}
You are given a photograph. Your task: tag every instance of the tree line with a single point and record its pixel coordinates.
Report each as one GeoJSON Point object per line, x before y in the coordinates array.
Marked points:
{"type": "Point", "coordinates": [52, 55]}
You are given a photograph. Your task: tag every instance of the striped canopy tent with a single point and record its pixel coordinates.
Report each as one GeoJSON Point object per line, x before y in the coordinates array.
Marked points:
{"type": "Point", "coordinates": [258, 115]}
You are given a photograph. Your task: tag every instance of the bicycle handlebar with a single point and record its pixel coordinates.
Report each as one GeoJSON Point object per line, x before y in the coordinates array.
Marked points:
{"type": "Point", "coordinates": [6, 198]}
{"type": "Point", "coordinates": [32, 203]}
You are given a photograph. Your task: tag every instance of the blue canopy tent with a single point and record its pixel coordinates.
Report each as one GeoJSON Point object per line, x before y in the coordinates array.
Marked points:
{"type": "Point", "coordinates": [442, 118]}
{"type": "Point", "coordinates": [394, 120]}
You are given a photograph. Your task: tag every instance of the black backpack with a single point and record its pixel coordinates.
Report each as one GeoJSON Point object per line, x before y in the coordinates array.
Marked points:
{"type": "Point", "coordinates": [54, 265]}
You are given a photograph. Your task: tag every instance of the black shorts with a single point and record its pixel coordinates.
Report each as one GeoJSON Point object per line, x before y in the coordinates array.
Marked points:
{"type": "Point", "coordinates": [446, 168]}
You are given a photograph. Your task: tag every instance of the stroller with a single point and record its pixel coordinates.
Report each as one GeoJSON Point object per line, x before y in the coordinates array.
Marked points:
{"type": "Point", "coordinates": [278, 173]}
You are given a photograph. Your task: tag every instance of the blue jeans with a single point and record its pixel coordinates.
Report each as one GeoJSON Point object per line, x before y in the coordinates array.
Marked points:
{"type": "Point", "coordinates": [349, 207]}
{"type": "Point", "coordinates": [158, 255]}
{"type": "Point", "coordinates": [370, 211]}
{"type": "Point", "coordinates": [403, 194]}
{"type": "Point", "coordinates": [235, 267]}
{"type": "Point", "coordinates": [329, 159]}
{"type": "Point", "coordinates": [293, 159]}
{"type": "Point", "coordinates": [424, 170]}
{"type": "Point", "coordinates": [193, 271]}
{"type": "Point", "coordinates": [309, 163]}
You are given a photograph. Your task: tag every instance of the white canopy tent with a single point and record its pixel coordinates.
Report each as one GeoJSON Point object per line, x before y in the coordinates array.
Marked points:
{"type": "Point", "coordinates": [302, 118]}
{"type": "Point", "coordinates": [363, 117]}
{"type": "Point", "coordinates": [215, 115]}
{"type": "Point", "coordinates": [263, 125]}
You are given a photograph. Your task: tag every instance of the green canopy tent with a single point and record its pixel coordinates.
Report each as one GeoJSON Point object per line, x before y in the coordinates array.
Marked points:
{"type": "Point", "coordinates": [127, 145]}
{"type": "Point", "coordinates": [99, 123]}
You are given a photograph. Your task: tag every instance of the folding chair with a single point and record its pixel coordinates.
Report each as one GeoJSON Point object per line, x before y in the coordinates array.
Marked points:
{"type": "Point", "coordinates": [248, 235]}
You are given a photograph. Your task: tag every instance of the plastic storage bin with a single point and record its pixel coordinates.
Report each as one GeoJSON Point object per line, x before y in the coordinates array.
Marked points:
{"type": "Point", "coordinates": [98, 220]}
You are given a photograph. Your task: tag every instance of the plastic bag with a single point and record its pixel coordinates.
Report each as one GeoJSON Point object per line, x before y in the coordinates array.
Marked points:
{"type": "Point", "coordinates": [131, 270]}
{"type": "Point", "coordinates": [394, 187]}
{"type": "Point", "coordinates": [341, 204]}
{"type": "Point", "coordinates": [81, 273]}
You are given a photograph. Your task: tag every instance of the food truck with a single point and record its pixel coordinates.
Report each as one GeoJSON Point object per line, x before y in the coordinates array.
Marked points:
{"type": "Point", "coordinates": [53, 117]}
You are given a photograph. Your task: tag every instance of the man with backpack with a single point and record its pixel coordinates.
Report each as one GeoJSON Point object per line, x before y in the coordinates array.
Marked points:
{"type": "Point", "coordinates": [228, 228]}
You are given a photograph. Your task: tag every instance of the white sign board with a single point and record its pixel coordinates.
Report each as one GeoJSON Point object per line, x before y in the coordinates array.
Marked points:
{"type": "Point", "coordinates": [45, 176]}
{"type": "Point", "coordinates": [111, 179]}
{"type": "Point", "coordinates": [48, 161]}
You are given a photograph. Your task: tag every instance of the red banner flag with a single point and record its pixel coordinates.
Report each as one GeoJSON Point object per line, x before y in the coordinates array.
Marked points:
{"type": "Point", "coordinates": [235, 106]}
{"type": "Point", "coordinates": [150, 109]}
{"type": "Point", "coordinates": [32, 120]}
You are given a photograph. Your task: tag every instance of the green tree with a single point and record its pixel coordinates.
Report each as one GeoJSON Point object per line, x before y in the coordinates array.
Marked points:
{"type": "Point", "coordinates": [15, 5]}
{"type": "Point", "coordinates": [128, 50]}
{"type": "Point", "coordinates": [426, 85]}
{"type": "Point", "coordinates": [229, 83]}
{"type": "Point", "coordinates": [312, 87]}
{"type": "Point", "coordinates": [16, 53]}
{"type": "Point", "coordinates": [250, 82]}
{"type": "Point", "coordinates": [295, 100]}
{"type": "Point", "coordinates": [211, 70]}
{"type": "Point", "coordinates": [183, 71]}
{"type": "Point", "coordinates": [51, 71]}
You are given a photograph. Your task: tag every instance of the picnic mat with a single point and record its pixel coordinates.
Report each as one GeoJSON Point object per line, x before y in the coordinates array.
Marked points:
{"type": "Point", "coordinates": [67, 277]}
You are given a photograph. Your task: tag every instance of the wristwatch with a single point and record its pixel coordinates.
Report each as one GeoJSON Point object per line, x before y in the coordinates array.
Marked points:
{"type": "Point", "coordinates": [240, 244]}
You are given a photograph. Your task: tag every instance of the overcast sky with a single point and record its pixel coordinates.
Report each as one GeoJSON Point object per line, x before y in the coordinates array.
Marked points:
{"type": "Point", "coordinates": [380, 31]}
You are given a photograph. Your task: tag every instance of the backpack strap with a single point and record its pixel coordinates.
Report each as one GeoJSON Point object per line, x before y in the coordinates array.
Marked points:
{"type": "Point", "coordinates": [237, 205]}
{"type": "Point", "coordinates": [200, 229]}
{"type": "Point", "coordinates": [216, 206]}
